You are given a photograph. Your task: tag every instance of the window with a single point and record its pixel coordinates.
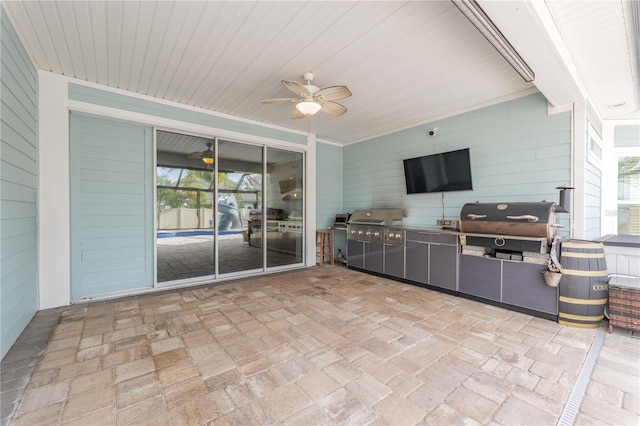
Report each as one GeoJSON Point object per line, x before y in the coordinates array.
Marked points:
{"type": "Point", "coordinates": [629, 195]}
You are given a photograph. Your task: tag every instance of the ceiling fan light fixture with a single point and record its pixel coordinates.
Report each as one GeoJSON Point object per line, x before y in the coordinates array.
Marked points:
{"type": "Point", "coordinates": [308, 107]}
{"type": "Point", "coordinates": [208, 160]}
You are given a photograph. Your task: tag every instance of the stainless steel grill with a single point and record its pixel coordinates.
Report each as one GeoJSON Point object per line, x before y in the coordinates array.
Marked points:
{"type": "Point", "coordinates": [535, 220]}
{"type": "Point", "coordinates": [376, 217]}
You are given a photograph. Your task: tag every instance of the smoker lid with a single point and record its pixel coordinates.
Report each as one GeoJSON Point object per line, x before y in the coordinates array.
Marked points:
{"type": "Point", "coordinates": [381, 217]}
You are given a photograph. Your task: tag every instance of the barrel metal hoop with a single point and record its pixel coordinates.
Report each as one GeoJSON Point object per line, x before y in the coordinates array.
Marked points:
{"type": "Point", "coordinates": [578, 273]}
{"type": "Point", "coordinates": [577, 325]}
{"type": "Point", "coordinates": [581, 317]}
{"type": "Point", "coordinates": [584, 255]}
{"type": "Point", "coordinates": [575, 301]}
{"type": "Point", "coordinates": [582, 245]}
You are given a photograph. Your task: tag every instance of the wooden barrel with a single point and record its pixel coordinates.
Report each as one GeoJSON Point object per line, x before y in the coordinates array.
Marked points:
{"type": "Point", "coordinates": [583, 287]}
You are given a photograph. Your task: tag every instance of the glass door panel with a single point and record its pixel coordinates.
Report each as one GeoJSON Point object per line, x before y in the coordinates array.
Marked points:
{"type": "Point", "coordinates": [240, 236]}
{"type": "Point", "coordinates": [184, 215]}
{"type": "Point", "coordinates": [285, 207]}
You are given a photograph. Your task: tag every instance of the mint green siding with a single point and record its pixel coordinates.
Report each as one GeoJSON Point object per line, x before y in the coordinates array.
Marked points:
{"type": "Point", "coordinates": [111, 206]}
{"type": "Point", "coordinates": [518, 153]}
{"type": "Point", "coordinates": [133, 104]}
{"type": "Point", "coordinates": [328, 184]}
{"type": "Point", "coordinates": [18, 187]}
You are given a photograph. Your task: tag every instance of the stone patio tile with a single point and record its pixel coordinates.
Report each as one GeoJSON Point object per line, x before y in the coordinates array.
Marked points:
{"type": "Point", "coordinates": [604, 412]}
{"type": "Point", "coordinates": [152, 411]}
{"type": "Point", "coordinates": [136, 390]}
{"type": "Point", "coordinates": [318, 384]}
{"type": "Point", "coordinates": [77, 405]}
{"type": "Point", "coordinates": [91, 381]}
{"type": "Point", "coordinates": [398, 410]}
{"type": "Point", "coordinates": [286, 400]}
{"type": "Point", "coordinates": [514, 411]}
{"type": "Point", "coordinates": [368, 390]}
{"type": "Point", "coordinates": [342, 371]}
{"type": "Point", "coordinates": [216, 364]}
{"type": "Point", "coordinates": [183, 391]}
{"type": "Point", "coordinates": [340, 405]}
{"type": "Point", "coordinates": [176, 372]}
{"type": "Point", "coordinates": [202, 409]}
{"type": "Point", "coordinates": [43, 396]}
{"type": "Point", "coordinates": [102, 417]}
{"type": "Point", "coordinates": [311, 415]}
{"type": "Point", "coordinates": [252, 413]}
{"type": "Point", "coordinates": [491, 387]}
{"type": "Point", "coordinates": [78, 369]}
{"type": "Point", "coordinates": [472, 404]}
{"type": "Point", "coordinates": [625, 382]}
{"type": "Point", "coordinates": [44, 415]}
{"type": "Point", "coordinates": [445, 415]}
{"type": "Point", "coordinates": [134, 369]}
{"type": "Point", "coordinates": [522, 378]}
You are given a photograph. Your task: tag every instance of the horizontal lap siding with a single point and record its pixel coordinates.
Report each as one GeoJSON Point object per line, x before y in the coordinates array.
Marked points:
{"type": "Point", "coordinates": [328, 184]}
{"type": "Point", "coordinates": [592, 201]}
{"type": "Point", "coordinates": [518, 153]}
{"type": "Point", "coordinates": [129, 103]}
{"type": "Point", "coordinates": [18, 187]}
{"type": "Point", "coordinates": [111, 207]}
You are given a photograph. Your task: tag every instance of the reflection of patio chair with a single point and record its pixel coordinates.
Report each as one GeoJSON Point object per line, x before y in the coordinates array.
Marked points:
{"type": "Point", "coordinates": [230, 214]}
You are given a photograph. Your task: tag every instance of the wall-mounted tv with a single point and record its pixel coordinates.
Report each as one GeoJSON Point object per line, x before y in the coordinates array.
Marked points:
{"type": "Point", "coordinates": [447, 171]}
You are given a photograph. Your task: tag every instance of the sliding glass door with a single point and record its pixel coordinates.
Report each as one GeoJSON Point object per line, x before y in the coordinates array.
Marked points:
{"type": "Point", "coordinates": [240, 188]}
{"type": "Point", "coordinates": [185, 187]}
{"type": "Point", "coordinates": [285, 207]}
{"type": "Point", "coordinates": [211, 216]}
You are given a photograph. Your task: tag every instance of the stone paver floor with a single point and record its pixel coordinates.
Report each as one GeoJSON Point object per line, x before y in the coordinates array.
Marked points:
{"type": "Point", "coordinates": [309, 347]}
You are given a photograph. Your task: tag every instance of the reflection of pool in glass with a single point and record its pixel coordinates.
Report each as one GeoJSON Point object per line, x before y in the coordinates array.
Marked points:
{"type": "Point", "coordinates": [195, 232]}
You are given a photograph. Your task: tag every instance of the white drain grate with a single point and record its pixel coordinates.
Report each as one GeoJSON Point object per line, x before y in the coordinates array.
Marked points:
{"type": "Point", "coordinates": [568, 416]}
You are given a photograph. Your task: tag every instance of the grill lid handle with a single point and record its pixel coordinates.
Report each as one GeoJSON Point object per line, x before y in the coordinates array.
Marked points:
{"type": "Point", "coordinates": [529, 217]}
{"type": "Point", "coordinates": [473, 216]}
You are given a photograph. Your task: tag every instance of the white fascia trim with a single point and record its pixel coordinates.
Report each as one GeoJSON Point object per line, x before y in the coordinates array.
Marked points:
{"type": "Point", "coordinates": [490, 102]}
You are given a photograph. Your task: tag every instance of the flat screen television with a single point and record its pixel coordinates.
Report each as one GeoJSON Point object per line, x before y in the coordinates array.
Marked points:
{"type": "Point", "coordinates": [446, 171]}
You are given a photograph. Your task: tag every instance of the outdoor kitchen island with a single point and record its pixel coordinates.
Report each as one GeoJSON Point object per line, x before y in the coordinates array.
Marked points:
{"type": "Point", "coordinates": [442, 260]}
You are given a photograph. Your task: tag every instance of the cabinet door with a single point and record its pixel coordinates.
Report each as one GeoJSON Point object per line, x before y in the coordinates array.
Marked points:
{"type": "Point", "coordinates": [355, 254]}
{"type": "Point", "coordinates": [417, 262]}
{"type": "Point", "coordinates": [374, 257]}
{"type": "Point", "coordinates": [523, 285]}
{"type": "Point", "coordinates": [480, 277]}
{"type": "Point", "coordinates": [443, 265]}
{"type": "Point", "coordinates": [394, 260]}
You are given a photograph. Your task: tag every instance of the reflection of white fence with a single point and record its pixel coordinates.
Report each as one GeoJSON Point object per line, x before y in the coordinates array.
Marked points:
{"type": "Point", "coordinates": [191, 218]}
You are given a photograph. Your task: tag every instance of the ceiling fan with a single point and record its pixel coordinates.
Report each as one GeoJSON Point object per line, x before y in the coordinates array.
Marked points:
{"type": "Point", "coordinates": [312, 99]}
{"type": "Point", "coordinates": [206, 156]}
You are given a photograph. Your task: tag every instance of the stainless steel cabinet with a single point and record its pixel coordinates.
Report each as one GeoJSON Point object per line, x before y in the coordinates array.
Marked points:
{"type": "Point", "coordinates": [394, 260]}
{"type": "Point", "coordinates": [443, 265]}
{"type": "Point", "coordinates": [480, 277]}
{"type": "Point", "coordinates": [432, 258]}
{"type": "Point", "coordinates": [365, 255]}
{"type": "Point", "coordinates": [514, 283]}
{"type": "Point", "coordinates": [355, 253]}
{"type": "Point", "coordinates": [523, 285]}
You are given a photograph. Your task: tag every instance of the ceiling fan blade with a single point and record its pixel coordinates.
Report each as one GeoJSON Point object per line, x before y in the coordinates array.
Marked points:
{"type": "Point", "coordinates": [333, 93]}
{"type": "Point", "coordinates": [279, 100]}
{"type": "Point", "coordinates": [295, 87]}
{"type": "Point", "coordinates": [297, 114]}
{"type": "Point", "coordinates": [333, 108]}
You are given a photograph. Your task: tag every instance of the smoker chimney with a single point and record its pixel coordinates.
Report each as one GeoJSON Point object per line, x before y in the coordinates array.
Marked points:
{"type": "Point", "coordinates": [564, 203]}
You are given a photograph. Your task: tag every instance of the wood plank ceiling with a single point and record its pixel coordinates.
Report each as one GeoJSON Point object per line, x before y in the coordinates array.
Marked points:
{"type": "Point", "coordinates": [405, 62]}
